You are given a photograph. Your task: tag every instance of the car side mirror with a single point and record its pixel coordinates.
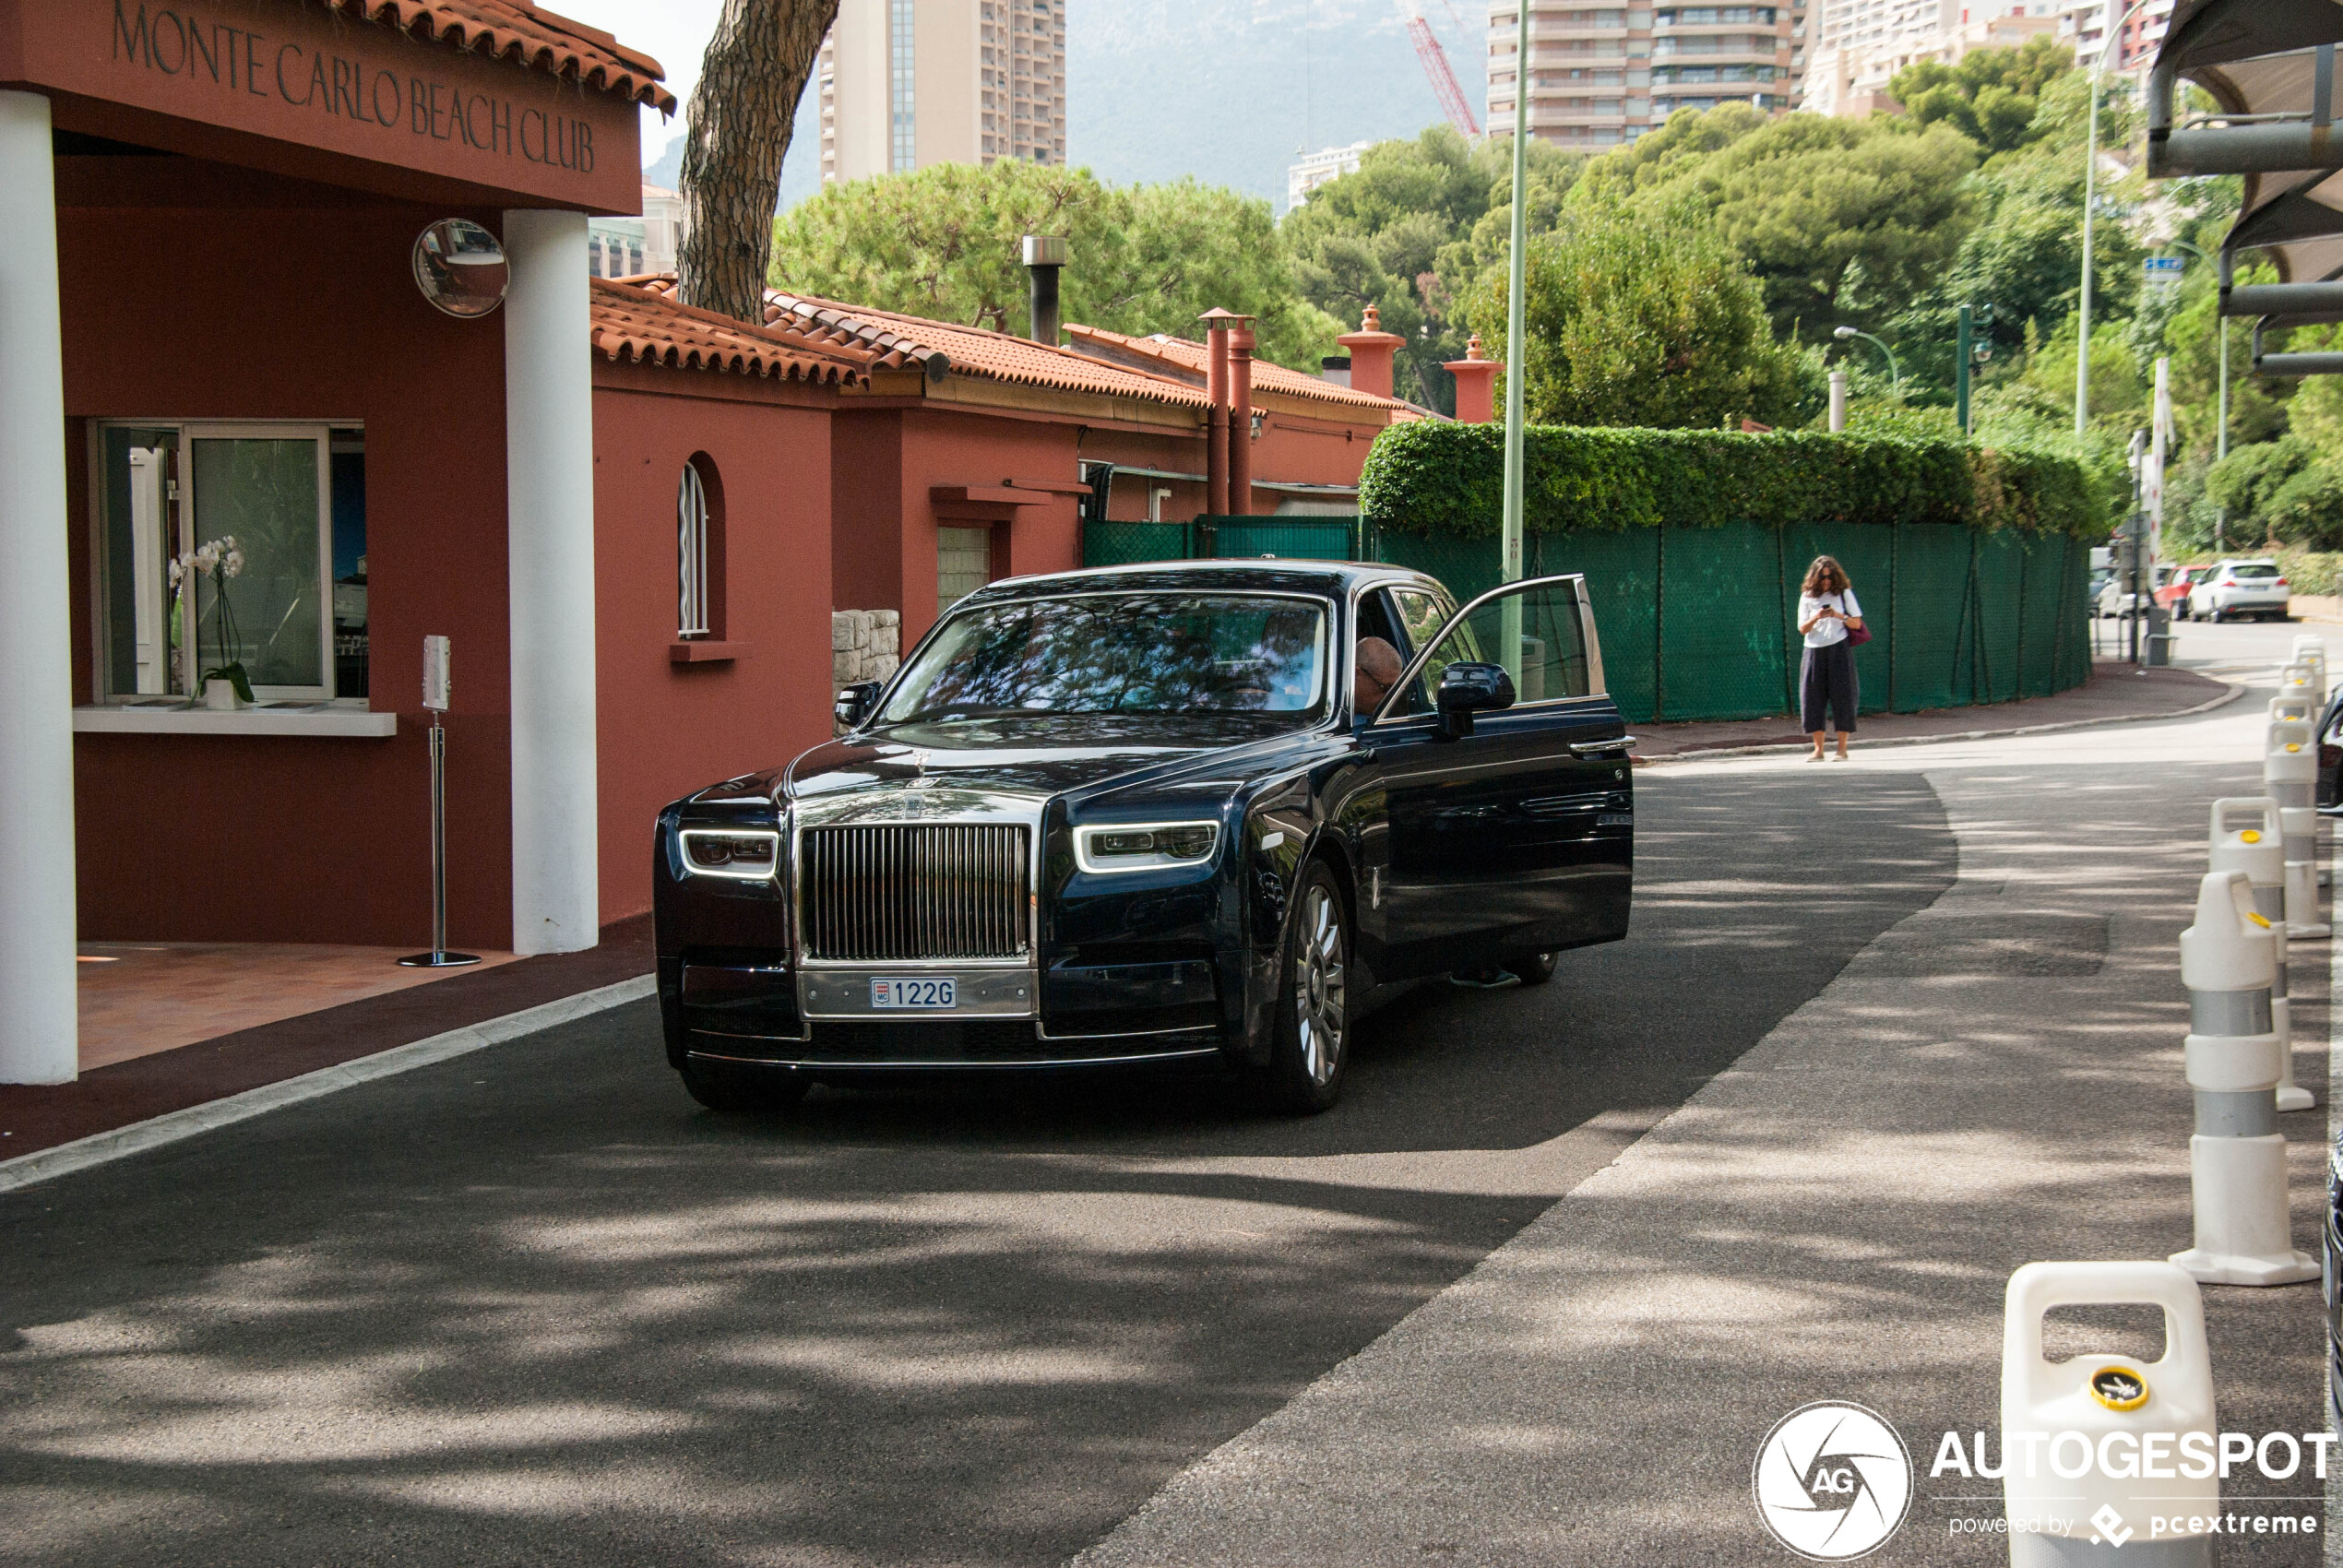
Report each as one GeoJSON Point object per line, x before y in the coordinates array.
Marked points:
{"type": "Point", "coordinates": [1466, 689]}
{"type": "Point", "coordinates": [855, 703]}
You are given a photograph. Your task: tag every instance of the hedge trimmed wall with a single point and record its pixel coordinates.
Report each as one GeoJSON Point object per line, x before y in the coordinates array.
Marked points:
{"type": "Point", "coordinates": [1971, 565]}
{"type": "Point", "coordinates": [1432, 478]}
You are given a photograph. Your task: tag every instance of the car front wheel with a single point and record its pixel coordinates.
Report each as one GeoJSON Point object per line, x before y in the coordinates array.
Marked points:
{"type": "Point", "coordinates": [1313, 1041]}
{"type": "Point", "coordinates": [743, 1091]}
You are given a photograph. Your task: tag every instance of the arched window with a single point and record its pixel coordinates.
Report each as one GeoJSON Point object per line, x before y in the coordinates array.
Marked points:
{"type": "Point", "coordinates": [699, 550]}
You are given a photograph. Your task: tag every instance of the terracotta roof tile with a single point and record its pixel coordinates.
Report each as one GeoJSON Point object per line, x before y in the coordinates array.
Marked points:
{"type": "Point", "coordinates": [896, 341]}
{"type": "Point", "coordinates": [518, 32]}
{"type": "Point", "coordinates": [998, 355]}
{"type": "Point", "coordinates": [635, 320]}
{"type": "Point", "coordinates": [1182, 355]}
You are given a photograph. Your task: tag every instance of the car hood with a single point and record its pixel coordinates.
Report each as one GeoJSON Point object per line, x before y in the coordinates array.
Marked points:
{"type": "Point", "coordinates": [1013, 760]}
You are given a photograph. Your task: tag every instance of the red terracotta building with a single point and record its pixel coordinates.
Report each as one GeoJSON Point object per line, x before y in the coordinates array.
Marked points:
{"type": "Point", "coordinates": [633, 521]}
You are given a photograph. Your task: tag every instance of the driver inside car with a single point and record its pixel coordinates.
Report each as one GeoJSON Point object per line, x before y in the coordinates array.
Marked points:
{"type": "Point", "coordinates": [1373, 671]}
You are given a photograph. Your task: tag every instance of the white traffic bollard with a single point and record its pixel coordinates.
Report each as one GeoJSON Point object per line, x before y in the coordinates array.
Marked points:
{"type": "Point", "coordinates": [2311, 651]}
{"type": "Point", "coordinates": [2237, 1157]}
{"type": "Point", "coordinates": [2298, 709]}
{"type": "Point", "coordinates": [2299, 679]}
{"type": "Point", "coordinates": [2290, 764]}
{"type": "Point", "coordinates": [2300, 826]}
{"type": "Point", "coordinates": [2120, 1422]}
{"type": "Point", "coordinates": [2246, 836]}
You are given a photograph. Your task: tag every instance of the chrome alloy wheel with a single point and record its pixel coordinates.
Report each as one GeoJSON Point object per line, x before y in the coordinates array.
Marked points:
{"type": "Point", "coordinates": [1318, 981]}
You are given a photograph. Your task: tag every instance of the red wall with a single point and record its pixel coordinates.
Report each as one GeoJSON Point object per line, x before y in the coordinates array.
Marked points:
{"type": "Point", "coordinates": [867, 509]}
{"type": "Point", "coordinates": [195, 293]}
{"type": "Point", "coordinates": [667, 729]}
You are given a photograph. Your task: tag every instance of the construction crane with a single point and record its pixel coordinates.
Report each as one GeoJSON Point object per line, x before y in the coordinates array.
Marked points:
{"type": "Point", "coordinates": [1444, 80]}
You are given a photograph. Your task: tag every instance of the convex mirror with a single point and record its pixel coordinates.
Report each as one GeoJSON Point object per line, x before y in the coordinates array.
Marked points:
{"type": "Point", "coordinates": [460, 267]}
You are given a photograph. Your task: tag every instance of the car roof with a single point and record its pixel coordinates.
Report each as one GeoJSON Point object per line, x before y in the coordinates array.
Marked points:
{"type": "Point", "coordinates": [1265, 574]}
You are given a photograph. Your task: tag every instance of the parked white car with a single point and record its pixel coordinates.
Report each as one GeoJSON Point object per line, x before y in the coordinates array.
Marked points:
{"type": "Point", "coordinates": [2240, 588]}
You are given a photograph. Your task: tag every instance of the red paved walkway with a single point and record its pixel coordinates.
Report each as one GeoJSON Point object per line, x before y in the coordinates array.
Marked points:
{"type": "Point", "coordinates": [34, 1118]}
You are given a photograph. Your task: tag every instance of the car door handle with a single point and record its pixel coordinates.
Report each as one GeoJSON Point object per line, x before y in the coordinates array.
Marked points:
{"type": "Point", "coordinates": [1596, 748]}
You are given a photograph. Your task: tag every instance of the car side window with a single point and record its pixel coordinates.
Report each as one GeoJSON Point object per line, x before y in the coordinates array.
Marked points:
{"type": "Point", "coordinates": [1421, 616]}
{"type": "Point", "coordinates": [1378, 653]}
{"type": "Point", "coordinates": [1550, 661]}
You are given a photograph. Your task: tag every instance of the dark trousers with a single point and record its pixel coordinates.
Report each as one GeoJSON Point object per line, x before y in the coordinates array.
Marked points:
{"type": "Point", "coordinates": [1827, 684]}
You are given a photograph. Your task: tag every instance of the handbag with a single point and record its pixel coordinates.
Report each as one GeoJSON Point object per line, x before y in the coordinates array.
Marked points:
{"type": "Point", "coordinates": [1857, 635]}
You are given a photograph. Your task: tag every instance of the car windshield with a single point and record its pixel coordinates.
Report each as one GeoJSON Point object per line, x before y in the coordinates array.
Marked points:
{"type": "Point", "coordinates": [1134, 653]}
{"type": "Point", "coordinates": [2253, 569]}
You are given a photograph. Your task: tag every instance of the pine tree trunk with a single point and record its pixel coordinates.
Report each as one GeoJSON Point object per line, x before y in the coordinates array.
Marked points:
{"type": "Point", "coordinates": [737, 132]}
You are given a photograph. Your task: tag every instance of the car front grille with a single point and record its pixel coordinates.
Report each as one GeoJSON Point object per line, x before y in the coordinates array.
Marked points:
{"type": "Point", "coordinates": [944, 890]}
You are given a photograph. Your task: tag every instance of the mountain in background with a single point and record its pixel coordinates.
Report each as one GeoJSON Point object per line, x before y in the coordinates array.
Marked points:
{"type": "Point", "coordinates": [1231, 90]}
{"type": "Point", "coordinates": [1227, 91]}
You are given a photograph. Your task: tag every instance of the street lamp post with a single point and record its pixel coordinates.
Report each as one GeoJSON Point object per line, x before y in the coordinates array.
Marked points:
{"type": "Point", "coordinates": [1895, 376]}
{"type": "Point", "coordinates": [2090, 197]}
{"type": "Point", "coordinates": [1517, 348]}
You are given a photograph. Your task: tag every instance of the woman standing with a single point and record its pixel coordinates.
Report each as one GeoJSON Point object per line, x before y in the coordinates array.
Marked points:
{"type": "Point", "coordinates": [1832, 623]}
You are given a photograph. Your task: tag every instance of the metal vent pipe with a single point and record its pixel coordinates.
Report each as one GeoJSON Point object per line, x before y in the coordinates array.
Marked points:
{"type": "Point", "coordinates": [1044, 254]}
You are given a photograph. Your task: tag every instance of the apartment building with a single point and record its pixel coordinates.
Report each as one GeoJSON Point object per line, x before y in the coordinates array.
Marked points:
{"type": "Point", "coordinates": [908, 83]}
{"type": "Point", "coordinates": [1315, 169]}
{"type": "Point", "coordinates": [2087, 26]}
{"type": "Point", "coordinates": [1602, 75]}
{"type": "Point", "coordinates": [1863, 43]}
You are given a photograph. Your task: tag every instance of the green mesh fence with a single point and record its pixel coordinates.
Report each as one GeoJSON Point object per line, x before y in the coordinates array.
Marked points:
{"type": "Point", "coordinates": [1930, 592]}
{"type": "Point", "coordinates": [1468, 566]}
{"type": "Point", "coordinates": [1994, 603]}
{"type": "Point", "coordinates": [1701, 622]}
{"type": "Point", "coordinates": [1720, 624]}
{"type": "Point", "coordinates": [1287, 539]}
{"type": "Point", "coordinates": [1125, 544]}
{"type": "Point", "coordinates": [1623, 583]}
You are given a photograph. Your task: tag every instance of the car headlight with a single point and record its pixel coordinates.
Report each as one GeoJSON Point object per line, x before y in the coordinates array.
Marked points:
{"type": "Point", "coordinates": [748, 854]}
{"type": "Point", "coordinates": [1145, 846]}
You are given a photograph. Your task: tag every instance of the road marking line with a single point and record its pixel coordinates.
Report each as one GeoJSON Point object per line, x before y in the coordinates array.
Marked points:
{"type": "Point", "coordinates": [171, 1127]}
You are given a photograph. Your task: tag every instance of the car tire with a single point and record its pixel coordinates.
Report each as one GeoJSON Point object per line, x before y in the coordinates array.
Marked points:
{"type": "Point", "coordinates": [735, 1091]}
{"type": "Point", "coordinates": [1309, 1043]}
{"type": "Point", "coordinates": [1531, 968]}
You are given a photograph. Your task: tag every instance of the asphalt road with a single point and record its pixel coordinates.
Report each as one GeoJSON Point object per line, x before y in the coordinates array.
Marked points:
{"type": "Point", "coordinates": [533, 1306]}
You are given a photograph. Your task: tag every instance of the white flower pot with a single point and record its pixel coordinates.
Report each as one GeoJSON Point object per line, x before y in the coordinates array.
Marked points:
{"type": "Point", "coordinates": [219, 696]}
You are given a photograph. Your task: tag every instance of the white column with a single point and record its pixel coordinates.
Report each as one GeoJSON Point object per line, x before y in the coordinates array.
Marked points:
{"type": "Point", "coordinates": [37, 1024]}
{"type": "Point", "coordinates": [548, 468]}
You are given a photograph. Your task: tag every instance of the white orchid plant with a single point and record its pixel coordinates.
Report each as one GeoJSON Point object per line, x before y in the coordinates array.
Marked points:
{"type": "Point", "coordinates": [221, 559]}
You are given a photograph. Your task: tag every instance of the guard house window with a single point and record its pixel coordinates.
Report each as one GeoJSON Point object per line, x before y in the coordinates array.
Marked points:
{"type": "Point", "coordinates": [292, 496]}
{"type": "Point", "coordinates": [699, 551]}
{"type": "Point", "coordinates": [904, 150]}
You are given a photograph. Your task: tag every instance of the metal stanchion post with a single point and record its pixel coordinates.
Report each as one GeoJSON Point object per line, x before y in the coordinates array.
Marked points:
{"type": "Point", "coordinates": [436, 689]}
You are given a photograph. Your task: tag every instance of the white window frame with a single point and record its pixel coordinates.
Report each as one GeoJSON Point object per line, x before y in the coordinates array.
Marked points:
{"type": "Point", "coordinates": [692, 619]}
{"type": "Point", "coordinates": [183, 539]}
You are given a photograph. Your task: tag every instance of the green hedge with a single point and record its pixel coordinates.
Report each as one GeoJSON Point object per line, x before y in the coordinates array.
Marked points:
{"type": "Point", "coordinates": [1431, 478]}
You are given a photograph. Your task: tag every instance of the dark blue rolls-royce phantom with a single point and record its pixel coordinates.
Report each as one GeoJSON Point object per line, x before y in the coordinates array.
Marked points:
{"type": "Point", "coordinates": [1189, 811]}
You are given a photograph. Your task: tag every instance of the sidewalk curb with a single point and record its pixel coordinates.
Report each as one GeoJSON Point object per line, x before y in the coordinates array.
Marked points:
{"type": "Point", "coordinates": [2236, 690]}
{"type": "Point", "coordinates": [170, 1128]}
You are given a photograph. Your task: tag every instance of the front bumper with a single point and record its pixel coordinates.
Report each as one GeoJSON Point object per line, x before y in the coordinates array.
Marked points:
{"type": "Point", "coordinates": [1088, 1014]}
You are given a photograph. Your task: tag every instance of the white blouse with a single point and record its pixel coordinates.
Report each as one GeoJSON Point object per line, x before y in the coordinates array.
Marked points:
{"type": "Point", "coordinates": [1827, 632]}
